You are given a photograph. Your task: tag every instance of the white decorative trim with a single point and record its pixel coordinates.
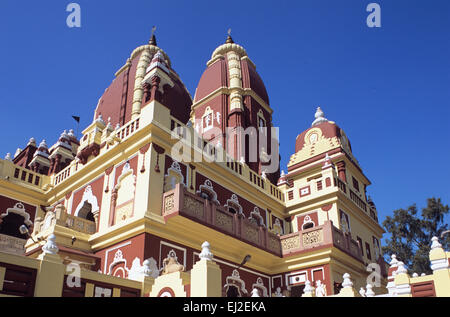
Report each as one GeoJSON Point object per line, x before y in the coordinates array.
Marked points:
{"type": "Point", "coordinates": [306, 221]}
{"type": "Point", "coordinates": [236, 278]}
{"type": "Point", "coordinates": [233, 202]}
{"type": "Point", "coordinates": [118, 258]}
{"type": "Point", "coordinates": [435, 243]}
{"type": "Point", "coordinates": [18, 209]}
{"type": "Point", "coordinates": [88, 196]}
{"type": "Point", "coordinates": [255, 214]}
{"type": "Point", "coordinates": [321, 290]}
{"type": "Point", "coordinates": [260, 285]}
{"type": "Point", "coordinates": [206, 252]}
{"type": "Point", "coordinates": [50, 246]}
{"type": "Point", "coordinates": [148, 268]}
{"type": "Point", "coordinates": [347, 283]}
{"type": "Point", "coordinates": [441, 264]}
{"type": "Point", "coordinates": [112, 249]}
{"type": "Point", "coordinates": [208, 188]}
{"type": "Point", "coordinates": [175, 169]}
{"type": "Point", "coordinates": [297, 273]}
{"type": "Point", "coordinates": [171, 246]}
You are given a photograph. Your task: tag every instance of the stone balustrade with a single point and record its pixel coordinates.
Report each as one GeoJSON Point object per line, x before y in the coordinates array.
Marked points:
{"type": "Point", "coordinates": [181, 202]}
{"type": "Point", "coordinates": [325, 235]}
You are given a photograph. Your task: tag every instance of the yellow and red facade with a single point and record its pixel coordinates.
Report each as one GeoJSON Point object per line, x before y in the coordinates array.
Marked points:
{"type": "Point", "coordinates": [118, 196]}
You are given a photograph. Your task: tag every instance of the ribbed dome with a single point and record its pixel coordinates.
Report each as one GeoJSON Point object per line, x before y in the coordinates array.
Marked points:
{"type": "Point", "coordinates": [217, 73]}
{"type": "Point", "coordinates": [117, 101]}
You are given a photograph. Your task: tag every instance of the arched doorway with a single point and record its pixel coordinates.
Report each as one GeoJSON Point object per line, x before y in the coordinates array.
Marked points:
{"type": "Point", "coordinates": [86, 212]}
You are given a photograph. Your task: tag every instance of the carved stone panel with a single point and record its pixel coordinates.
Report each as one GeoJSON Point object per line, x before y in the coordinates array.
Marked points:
{"type": "Point", "coordinates": [312, 238]}
{"type": "Point", "coordinates": [194, 207]}
{"type": "Point", "coordinates": [290, 243]}
{"type": "Point", "coordinates": [224, 221]}
{"type": "Point", "coordinates": [169, 203]}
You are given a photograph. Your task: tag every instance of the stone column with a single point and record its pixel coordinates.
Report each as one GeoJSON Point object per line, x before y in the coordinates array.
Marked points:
{"type": "Point", "coordinates": [50, 275]}
{"type": "Point", "coordinates": [341, 171]}
{"type": "Point", "coordinates": [206, 275]}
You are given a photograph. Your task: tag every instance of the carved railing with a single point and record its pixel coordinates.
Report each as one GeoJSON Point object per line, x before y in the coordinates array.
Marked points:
{"type": "Point", "coordinates": [181, 202]}
{"type": "Point", "coordinates": [345, 243]}
{"type": "Point", "coordinates": [358, 201]}
{"type": "Point", "coordinates": [61, 218]}
{"type": "Point", "coordinates": [77, 223]}
{"type": "Point", "coordinates": [13, 245]}
{"type": "Point", "coordinates": [325, 235]}
{"type": "Point", "coordinates": [14, 173]}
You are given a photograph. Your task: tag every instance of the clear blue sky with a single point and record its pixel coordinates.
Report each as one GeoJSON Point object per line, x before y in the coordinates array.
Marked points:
{"type": "Point", "coordinates": [388, 88]}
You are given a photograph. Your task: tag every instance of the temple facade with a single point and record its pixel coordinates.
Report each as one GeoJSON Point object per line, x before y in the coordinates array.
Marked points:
{"type": "Point", "coordinates": [157, 173]}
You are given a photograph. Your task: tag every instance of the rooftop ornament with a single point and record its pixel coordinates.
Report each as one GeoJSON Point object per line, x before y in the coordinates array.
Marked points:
{"type": "Point", "coordinates": [319, 117]}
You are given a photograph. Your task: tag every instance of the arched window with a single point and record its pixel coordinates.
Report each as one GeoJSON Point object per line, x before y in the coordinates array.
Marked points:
{"type": "Point", "coordinates": [11, 224]}
{"type": "Point", "coordinates": [86, 212]}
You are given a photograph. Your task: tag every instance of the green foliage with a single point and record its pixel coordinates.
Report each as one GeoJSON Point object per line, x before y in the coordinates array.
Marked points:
{"type": "Point", "coordinates": [411, 234]}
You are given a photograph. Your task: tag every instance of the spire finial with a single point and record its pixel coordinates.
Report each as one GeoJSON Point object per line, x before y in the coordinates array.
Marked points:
{"type": "Point", "coordinates": [229, 39]}
{"type": "Point", "coordinates": [153, 37]}
{"type": "Point", "coordinates": [319, 117]}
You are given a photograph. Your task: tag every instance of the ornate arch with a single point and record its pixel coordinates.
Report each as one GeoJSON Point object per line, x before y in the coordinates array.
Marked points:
{"type": "Point", "coordinates": [208, 190]}
{"type": "Point", "coordinates": [233, 202]}
{"type": "Point", "coordinates": [118, 259]}
{"type": "Point", "coordinates": [19, 209]}
{"type": "Point", "coordinates": [260, 286]}
{"type": "Point", "coordinates": [308, 223]}
{"type": "Point", "coordinates": [256, 217]}
{"type": "Point", "coordinates": [89, 197]}
{"type": "Point", "coordinates": [235, 281]}
{"type": "Point", "coordinates": [277, 228]}
{"type": "Point", "coordinates": [173, 176]}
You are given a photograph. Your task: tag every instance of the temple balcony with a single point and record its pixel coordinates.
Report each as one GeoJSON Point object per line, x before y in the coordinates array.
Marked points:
{"type": "Point", "coordinates": [354, 197]}
{"type": "Point", "coordinates": [180, 202]}
{"type": "Point", "coordinates": [326, 235]}
{"type": "Point", "coordinates": [22, 177]}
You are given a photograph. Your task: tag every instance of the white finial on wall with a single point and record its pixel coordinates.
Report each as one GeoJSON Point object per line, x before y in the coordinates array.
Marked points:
{"type": "Point", "coordinates": [435, 243]}
{"type": "Point", "coordinates": [50, 246]}
{"type": "Point", "coordinates": [255, 293]}
{"type": "Point", "coordinates": [347, 281]}
{"type": "Point", "coordinates": [206, 252]}
{"type": "Point", "coordinates": [8, 157]}
{"type": "Point", "coordinates": [394, 261]}
{"type": "Point", "coordinates": [401, 268]}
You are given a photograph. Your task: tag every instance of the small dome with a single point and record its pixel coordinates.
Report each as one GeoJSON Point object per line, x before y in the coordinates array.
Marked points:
{"type": "Point", "coordinates": [328, 129]}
